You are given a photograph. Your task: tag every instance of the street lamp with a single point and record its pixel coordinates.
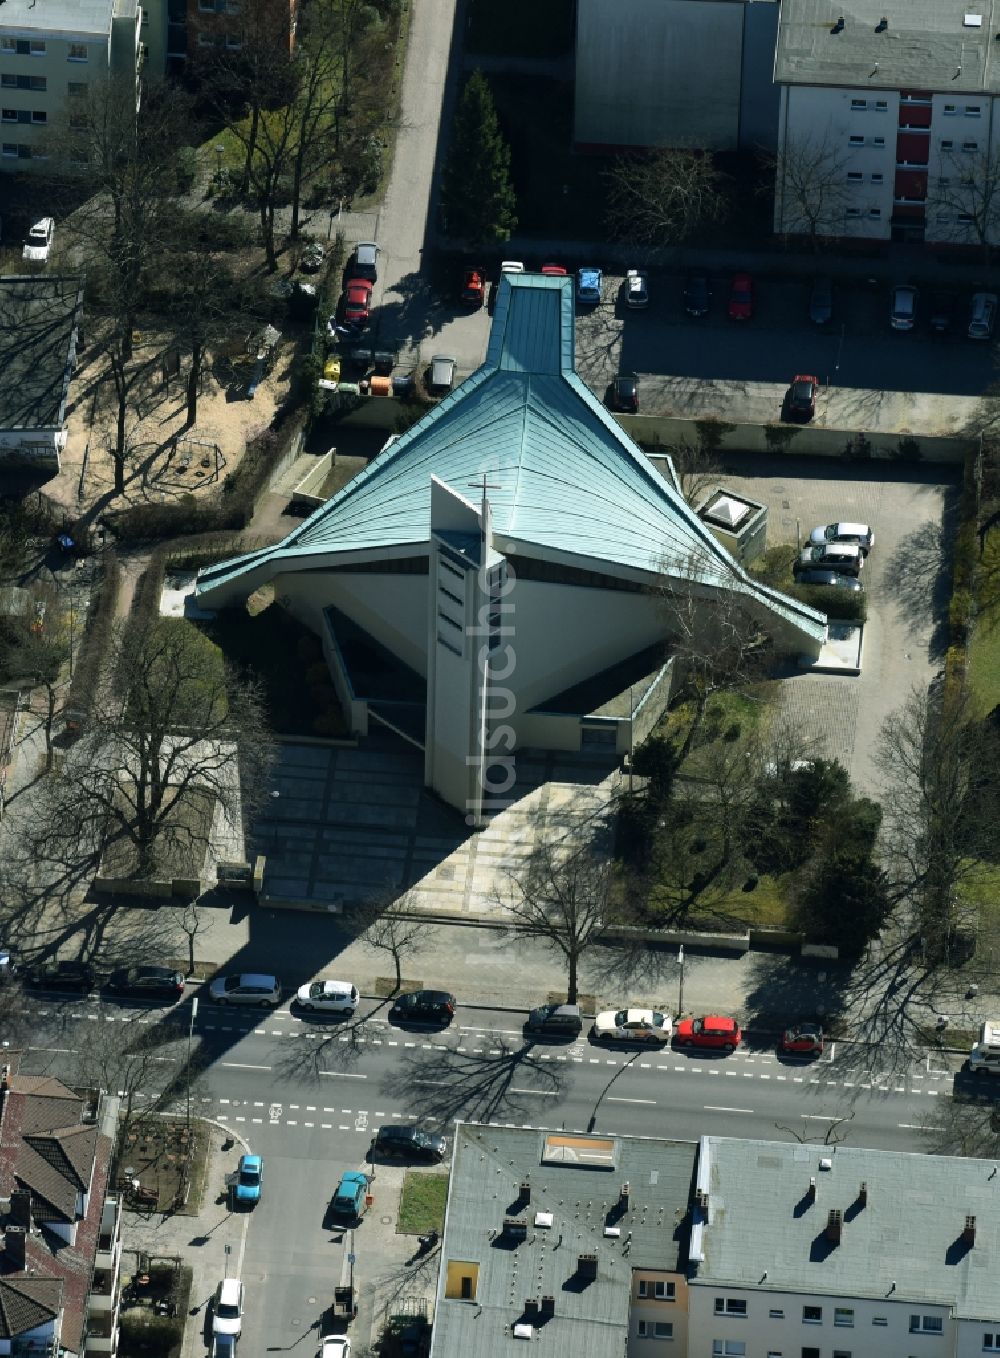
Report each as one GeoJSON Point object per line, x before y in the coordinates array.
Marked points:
{"type": "Point", "coordinates": [194, 1012]}
{"type": "Point", "coordinates": [680, 992]}
{"type": "Point", "coordinates": [220, 151]}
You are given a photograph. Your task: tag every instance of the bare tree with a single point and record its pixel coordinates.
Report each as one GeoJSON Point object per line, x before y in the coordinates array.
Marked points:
{"type": "Point", "coordinates": [320, 69]}
{"type": "Point", "coordinates": [811, 189]}
{"type": "Point", "coordinates": [960, 1127]}
{"type": "Point", "coordinates": [836, 1131]}
{"type": "Point", "coordinates": [131, 1069]}
{"type": "Point", "coordinates": [561, 895]}
{"type": "Point", "coordinates": [390, 928]}
{"type": "Point", "coordinates": [34, 649]}
{"type": "Point", "coordinates": [697, 469]}
{"type": "Point", "coordinates": [964, 199]}
{"type": "Point", "coordinates": [663, 198]}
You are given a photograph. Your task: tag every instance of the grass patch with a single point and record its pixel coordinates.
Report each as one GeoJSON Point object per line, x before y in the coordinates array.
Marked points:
{"type": "Point", "coordinates": [421, 1206]}
{"type": "Point", "coordinates": [559, 194]}
{"type": "Point", "coordinates": [730, 716]}
{"type": "Point", "coordinates": [520, 28]}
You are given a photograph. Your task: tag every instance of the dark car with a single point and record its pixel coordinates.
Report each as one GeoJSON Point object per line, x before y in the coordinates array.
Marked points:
{"type": "Point", "coordinates": [625, 393]}
{"type": "Point", "coordinates": [147, 982]}
{"type": "Point", "coordinates": [62, 976]}
{"type": "Point", "coordinates": [555, 1020]}
{"type": "Point", "coordinates": [473, 292]}
{"type": "Point", "coordinates": [800, 400]}
{"type": "Point", "coordinates": [697, 294]}
{"type": "Point", "coordinates": [424, 1006]}
{"type": "Point", "coordinates": [821, 302]}
{"type": "Point", "coordinates": [834, 578]}
{"type": "Point", "coordinates": [409, 1143]}
{"type": "Point", "coordinates": [941, 312]}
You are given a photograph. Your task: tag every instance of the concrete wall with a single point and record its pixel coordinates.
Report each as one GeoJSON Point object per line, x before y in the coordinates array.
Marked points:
{"type": "Point", "coordinates": [355, 709]}
{"type": "Point", "coordinates": [659, 73]}
{"type": "Point", "coordinates": [401, 625]}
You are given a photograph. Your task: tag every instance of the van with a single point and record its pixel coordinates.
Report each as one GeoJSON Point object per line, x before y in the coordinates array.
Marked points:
{"type": "Point", "coordinates": [982, 316]}
{"type": "Point", "coordinates": [984, 1059]}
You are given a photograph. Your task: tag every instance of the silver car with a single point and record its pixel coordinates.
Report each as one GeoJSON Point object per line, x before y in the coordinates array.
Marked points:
{"type": "Point", "coordinates": [248, 988]}
{"type": "Point", "coordinates": [832, 556]}
{"type": "Point", "coordinates": [857, 533]}
{"type": "Point", "coordinates": [903, 315]}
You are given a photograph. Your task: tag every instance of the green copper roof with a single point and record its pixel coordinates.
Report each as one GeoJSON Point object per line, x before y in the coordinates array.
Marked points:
{"type": "Point", "coordinates": [563, 476]}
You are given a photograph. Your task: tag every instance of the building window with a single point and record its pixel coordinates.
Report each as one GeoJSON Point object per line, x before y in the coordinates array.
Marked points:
{"type": "Point", "coordinates": [874, 212]}
{"type": "Point", "coordinates": [78, 122]}
{"type": "Point", "coordinates": [970, 146]}
{"type": "Point", "coordinates": [857, 141]}
{"type": "Point", "coordinates": [39, 118]}
{"type": "Point", "coordinates": [812, 1315]}
{"type": "Point", "coordinates": [205, 40]}
{"type": "Point", "coordinates": [9, 150]}
{"type": "Point", "coordinates": [946, 144]}
{"type": "Point", "coordinates": [206, 6]}
{"type": "Point", "coordinates": [842, 1353]}
{"type": "Point", "coordinates": [8, 115]}
{"type": "Point", "coordinates": [926, 1324]}
{"type": "Point", "coordinates": [950, 110]}
{"type": "Point", "coordinates": [991, 1342]}
{"type": "Point", "coordinates": [855, 177]}
{"type": "Point", "coordinates": [728, 1348]}
{"type": "Point", "coordinates": [774, 1353]}
{"type": "Point", "coordinates": [663, 1329]}
{"type": "Point", "coordinates": [973, 110]}
{"type": "Point", "coordinates": [880, 1320]}
{"type": "Point", "coordinates": [853, 212]}
{"type": "Point", "coordinates": [36, 49]}
{"type": "Point", "coordinates": [234, 6]}
{"type": "Point", "coordinates": [881, 105]}
{"type": "Point", "coordinates": [843, 1315]}
{"type": "Point", "coordinates": [809, 1352]}
{"type": "Point", "coordinates": [234, 41]}
{"type": "Point", "coordinates": [76, 88]}
{"type": "Point", "coordinates": [662, 1291]}
{"type": "Point", "coordinates": [965, 219]}
{"type": "Point", "coordinates": [775, 1314]}
{"type": "Point", "coordinates": [878, 178]}
{"type": "Point", "coordinates": [35, 82]}
{"type": "Point", "coordinates": [8, 45]}
{"type": "Point", "coordinates": [859, 103]}
{"type": "Point", "coordinates": [77, 51]}
{"type": "Point", "coordinates": [730, 1306]}
{"type": "Point", "coordinates": [878, 141]}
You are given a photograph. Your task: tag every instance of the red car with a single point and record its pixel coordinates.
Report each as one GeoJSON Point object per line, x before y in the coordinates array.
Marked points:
{"type": "Point", "coordinates": [803, 1039]}
{"type": "Point", "coordinates": [357, 300]}
{"type": "Point", "coordinates": [554, 270]}
{"type": "Point", "coordinates": [473, 288]}
{"type": "Point", "coordinates": [741, 297]}
{"type": "Point", "coordinates": [714, 1030]}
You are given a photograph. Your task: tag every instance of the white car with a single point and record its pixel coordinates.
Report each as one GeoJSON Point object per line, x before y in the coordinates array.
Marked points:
{"type": "Point", "coordinates": [39, 242]}
{"type": "Point", "coordinates": [636, 288]}
{"type": "Point", "coordinates": [227, 1309]}
{"type": "Point", "coordinates": [633, 1025]}
{"type": "Point", "coordinates": [248, 988]}
{"type": "Point", "coordinates": [858, 534]}
{"type": "Point", "coordinates": [512, 266]}
{"type": "Point", "coordinates": [334, 1346]}
{"type": "Point", "coordinates": [333, 997]}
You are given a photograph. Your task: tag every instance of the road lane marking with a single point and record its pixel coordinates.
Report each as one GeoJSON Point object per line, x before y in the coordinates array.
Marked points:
{"type": "Point", "coordinates": [918, 1127]}
{"type": "Point", "coordinates": [819, 1117]}
{"type": "Point", "coordinates": [344, 1074]}
{"type": "Point", "coordinates": [439, 1083]}
{"type": "Point", "coordinates": [614, 1099]}
{"type": "Point", "coordinates": [716, 1108]}
{"type": "Point", "coordinates": [549, 1093]}
{"type": "Point", "coordinates": [239, 1065]}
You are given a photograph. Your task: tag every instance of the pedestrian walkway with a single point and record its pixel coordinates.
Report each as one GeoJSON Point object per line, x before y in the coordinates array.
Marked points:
{"type": "Point", "coordinates": [210, 1242]}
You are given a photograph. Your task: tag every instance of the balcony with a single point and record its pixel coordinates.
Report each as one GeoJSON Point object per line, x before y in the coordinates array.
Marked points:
{"type": "Point", "coordinates": [102, 1335]}
{"type": "Point", "coordinates": [109, 1241]}
{"type": "Point", "coordinates": [34, 1348]}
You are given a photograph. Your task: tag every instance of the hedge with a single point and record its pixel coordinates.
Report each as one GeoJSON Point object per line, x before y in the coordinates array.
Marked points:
{"type": "Point", "coordinates": [96, 643]}
{"type": "Point", "coordinates": [839, 604]}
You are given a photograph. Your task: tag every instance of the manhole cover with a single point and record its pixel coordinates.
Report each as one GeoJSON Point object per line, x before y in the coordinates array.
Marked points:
{"type": "Point", "coordinates": [786, 504]}
{"type": "Point", "coordinates": [295, 1322]}
{"type": "Point", "coordinates": [387, 1221]}
{"type": "Point", "coordinates": [778, 490]}
{"type": "Point", "coordinates": [312, 1301]}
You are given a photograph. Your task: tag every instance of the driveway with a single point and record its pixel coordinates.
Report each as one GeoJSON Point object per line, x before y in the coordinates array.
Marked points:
{"type": "Point", "coordinates": [911, 511]}
{"type": "Point", "coordinates": [857, 349]}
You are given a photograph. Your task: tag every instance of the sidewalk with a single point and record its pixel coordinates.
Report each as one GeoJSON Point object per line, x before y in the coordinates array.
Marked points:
{"type": "Point", "coordinates": [198, 1240]}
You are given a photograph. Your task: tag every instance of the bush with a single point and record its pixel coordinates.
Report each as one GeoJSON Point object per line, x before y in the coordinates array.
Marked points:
{"type": "Point", "coordinates": [656, 759]}
{"type": "Point", "coordinates": [150, 1335]}
{"type": "Point", "coordinates": [635, 829]}
{"type": "Point", "coordinates": [840, 605]}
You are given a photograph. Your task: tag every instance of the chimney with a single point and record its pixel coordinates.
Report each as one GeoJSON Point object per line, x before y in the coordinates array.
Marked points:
{"type": "Point", "coordinates": [13, 1246]}
{"type": "Point", "coordinates": [531, 1310]}
{"type": "Point", "coordinates": [515, 1229]}
{"type": "Point", "coordinates": [623, 1194]}
{"type": "Point", "coordinates": [525, 1191]}
{"type": "Point", "coordinates": [882, 24]}
{"type": "Point", "coordinates": [811, 1194]}
{"type": "Point", "coordinates": [586, 1266]}
{"type": "Point", "coordinates": [548, 1307]}
{"type": "Point", "coordinates": [701, 1200]}
{"type": "Point", "coordinates": [834, 1224]}
{"type": "Point", "coordinates": [863, 1194]}
{"type": "Point", "coordinates": [20, 1207]}
{"type": "Point", "coordinates": [969, 1233]}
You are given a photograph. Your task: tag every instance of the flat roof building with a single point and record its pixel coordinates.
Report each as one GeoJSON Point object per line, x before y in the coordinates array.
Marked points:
{"type": "Point", "coordinates": [39, 327]}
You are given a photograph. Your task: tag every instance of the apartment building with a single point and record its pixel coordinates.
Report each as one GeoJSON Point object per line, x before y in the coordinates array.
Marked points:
{"type": "Point", "coordinates": [888, 120]}
{"type": "Point", "coordinates": [803, 1251]}
{"type": "Point", "coordinates": [226, 25]}
{"type": "Point", "coordinates": [60, 1256]}
{"type": "Point", "coordinates": [40, 318]}
{"type": "Point", "coordinates": [53, 53]}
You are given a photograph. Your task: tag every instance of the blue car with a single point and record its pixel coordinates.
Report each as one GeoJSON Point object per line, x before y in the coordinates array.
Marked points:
{"type": "Point", "coordinates": [249, 1178]}
{"type": "Point", "coordinates": [588, 286]}
{"type": "Point", "coordinates": [349, 1201]}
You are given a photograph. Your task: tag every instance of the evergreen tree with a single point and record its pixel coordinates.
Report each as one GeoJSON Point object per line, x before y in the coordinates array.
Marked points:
{"type": "Point", "coordinates": [477, 195]}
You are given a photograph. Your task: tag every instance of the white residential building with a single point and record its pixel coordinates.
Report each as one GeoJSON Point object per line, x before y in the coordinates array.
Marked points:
{"type": "Point", "coordinates": [893, 105]}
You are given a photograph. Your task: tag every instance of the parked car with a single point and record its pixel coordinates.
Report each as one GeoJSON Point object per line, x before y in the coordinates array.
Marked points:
{"type": "Point", "coordinates": [588, 285]}
{"type": "Point", "coordinates": [249, 1180]}
{"type": "Point", "coordinates": [741, 297]}
{"type": "Point", "coordinates": [858, 533]}
{"type": "Point", "coordinates": [826, 577]}
{"type": "Point", "coordinates": [147, 982]}
{"type": "Point", "coordinates": [61, 976]}
{"type": "Point", "coordinates": [249, 987]}
{"type": "Point", "coordinates": [312, 257]}
{"type": "Point", "coordinates": [942, 312]}
{"type": "Point", "coordinates": [331, 997]}
{"type": "Point", "coordinates": [903, 312]}
{"type": "Point", "coordinates": [511, 266]}
{"type": "Point", "coordinates": [834, 556]}
{"type": "Point", "coordinates": [983, 315]}
{"type": "Point", "coordinates": [800, 399]}
{"type": "Point", "coordinates": [364, 263]}
{"type": "Point", "coordinates": [636, 288]}
{"type": "Point", "coordinates": [714, 1030]}
{"type": "Point", "coordinates": [39, 242]}
{"type": "Point", "coordinates": [632, 1025]}
{"type": "Point", "coordinates": [625, 393]}
{"type": "Point", "coordinates": [357, 301]}
{"type": "Point", "coordinates": [349, 1199]}
{"type": "Point", "coordinates": [224, 1345]}
{"type": "Point", "coordinates": [442, 374]}
{"type": "Point", "coordinates": [821, 301]}
{"type": "Point", "coordinates": [553, 270]}
{"type": "Point", "coordinates": [697, 294]}
{"type": "Point", "coordinates": [334, 1346]}
{"type": "Point", "coordinates": [555, 1020]}
{"type": "Point", "coordinates": [424, 1006]}
{"type": "Point", "coordinates": [473, 292]}
{"type": "Point", "coordinates": [802, 1039]}
{"type": "Point", "coordinates": [227, 1311]}
{"type": "Point", "coordinates": [400, 1142]}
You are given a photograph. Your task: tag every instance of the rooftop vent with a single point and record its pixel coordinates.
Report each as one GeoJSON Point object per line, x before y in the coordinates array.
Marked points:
{"type": "Point", "coordinates": [838, 26]}
{"type": "Point", "coordinates": [623, 1193]}
{"type": "Point", "coordinates": [701, 1200]}
{"type": "Point", "coordinates": [882, 24]}
{"type": "Point", "coordinates": [726, 511]}
{"type": "Point", "coordinates": [514, 1229]}
{"type": "Point", "coordinates": [524, 1331]}
{"type": "Point", "coordinates": [969, 1233]}
{"type": "Point", "coordinates": [531, 1309]}
{"type": "Point", "coordinates": [586, 1266]}
{"type": "Point", "coordinates": [863, 1194]}
{"type": "Point", "coordinates": [548, 1307]}
{"type": "Point", "coordinates": [834, 1225]}
{"type": "Point", "coordinates": [613, 1231]}
{"type": "Point", "coordinates": [525, 1194]}
{"type": "Point", "coordinates": [972, 21]}
{"type": "Point", "coordinates": [543, 1219]}
{"type": "Point", "coordinates": [826, 1163]}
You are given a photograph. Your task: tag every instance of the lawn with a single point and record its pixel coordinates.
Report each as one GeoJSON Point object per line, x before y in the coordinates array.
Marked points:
{"type": "Point", "coordinates": [520, 28]}
{"type": "Point", "coordinates": [984, 649]}
{"type": "Point", "coordinates": [421, 1207]}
